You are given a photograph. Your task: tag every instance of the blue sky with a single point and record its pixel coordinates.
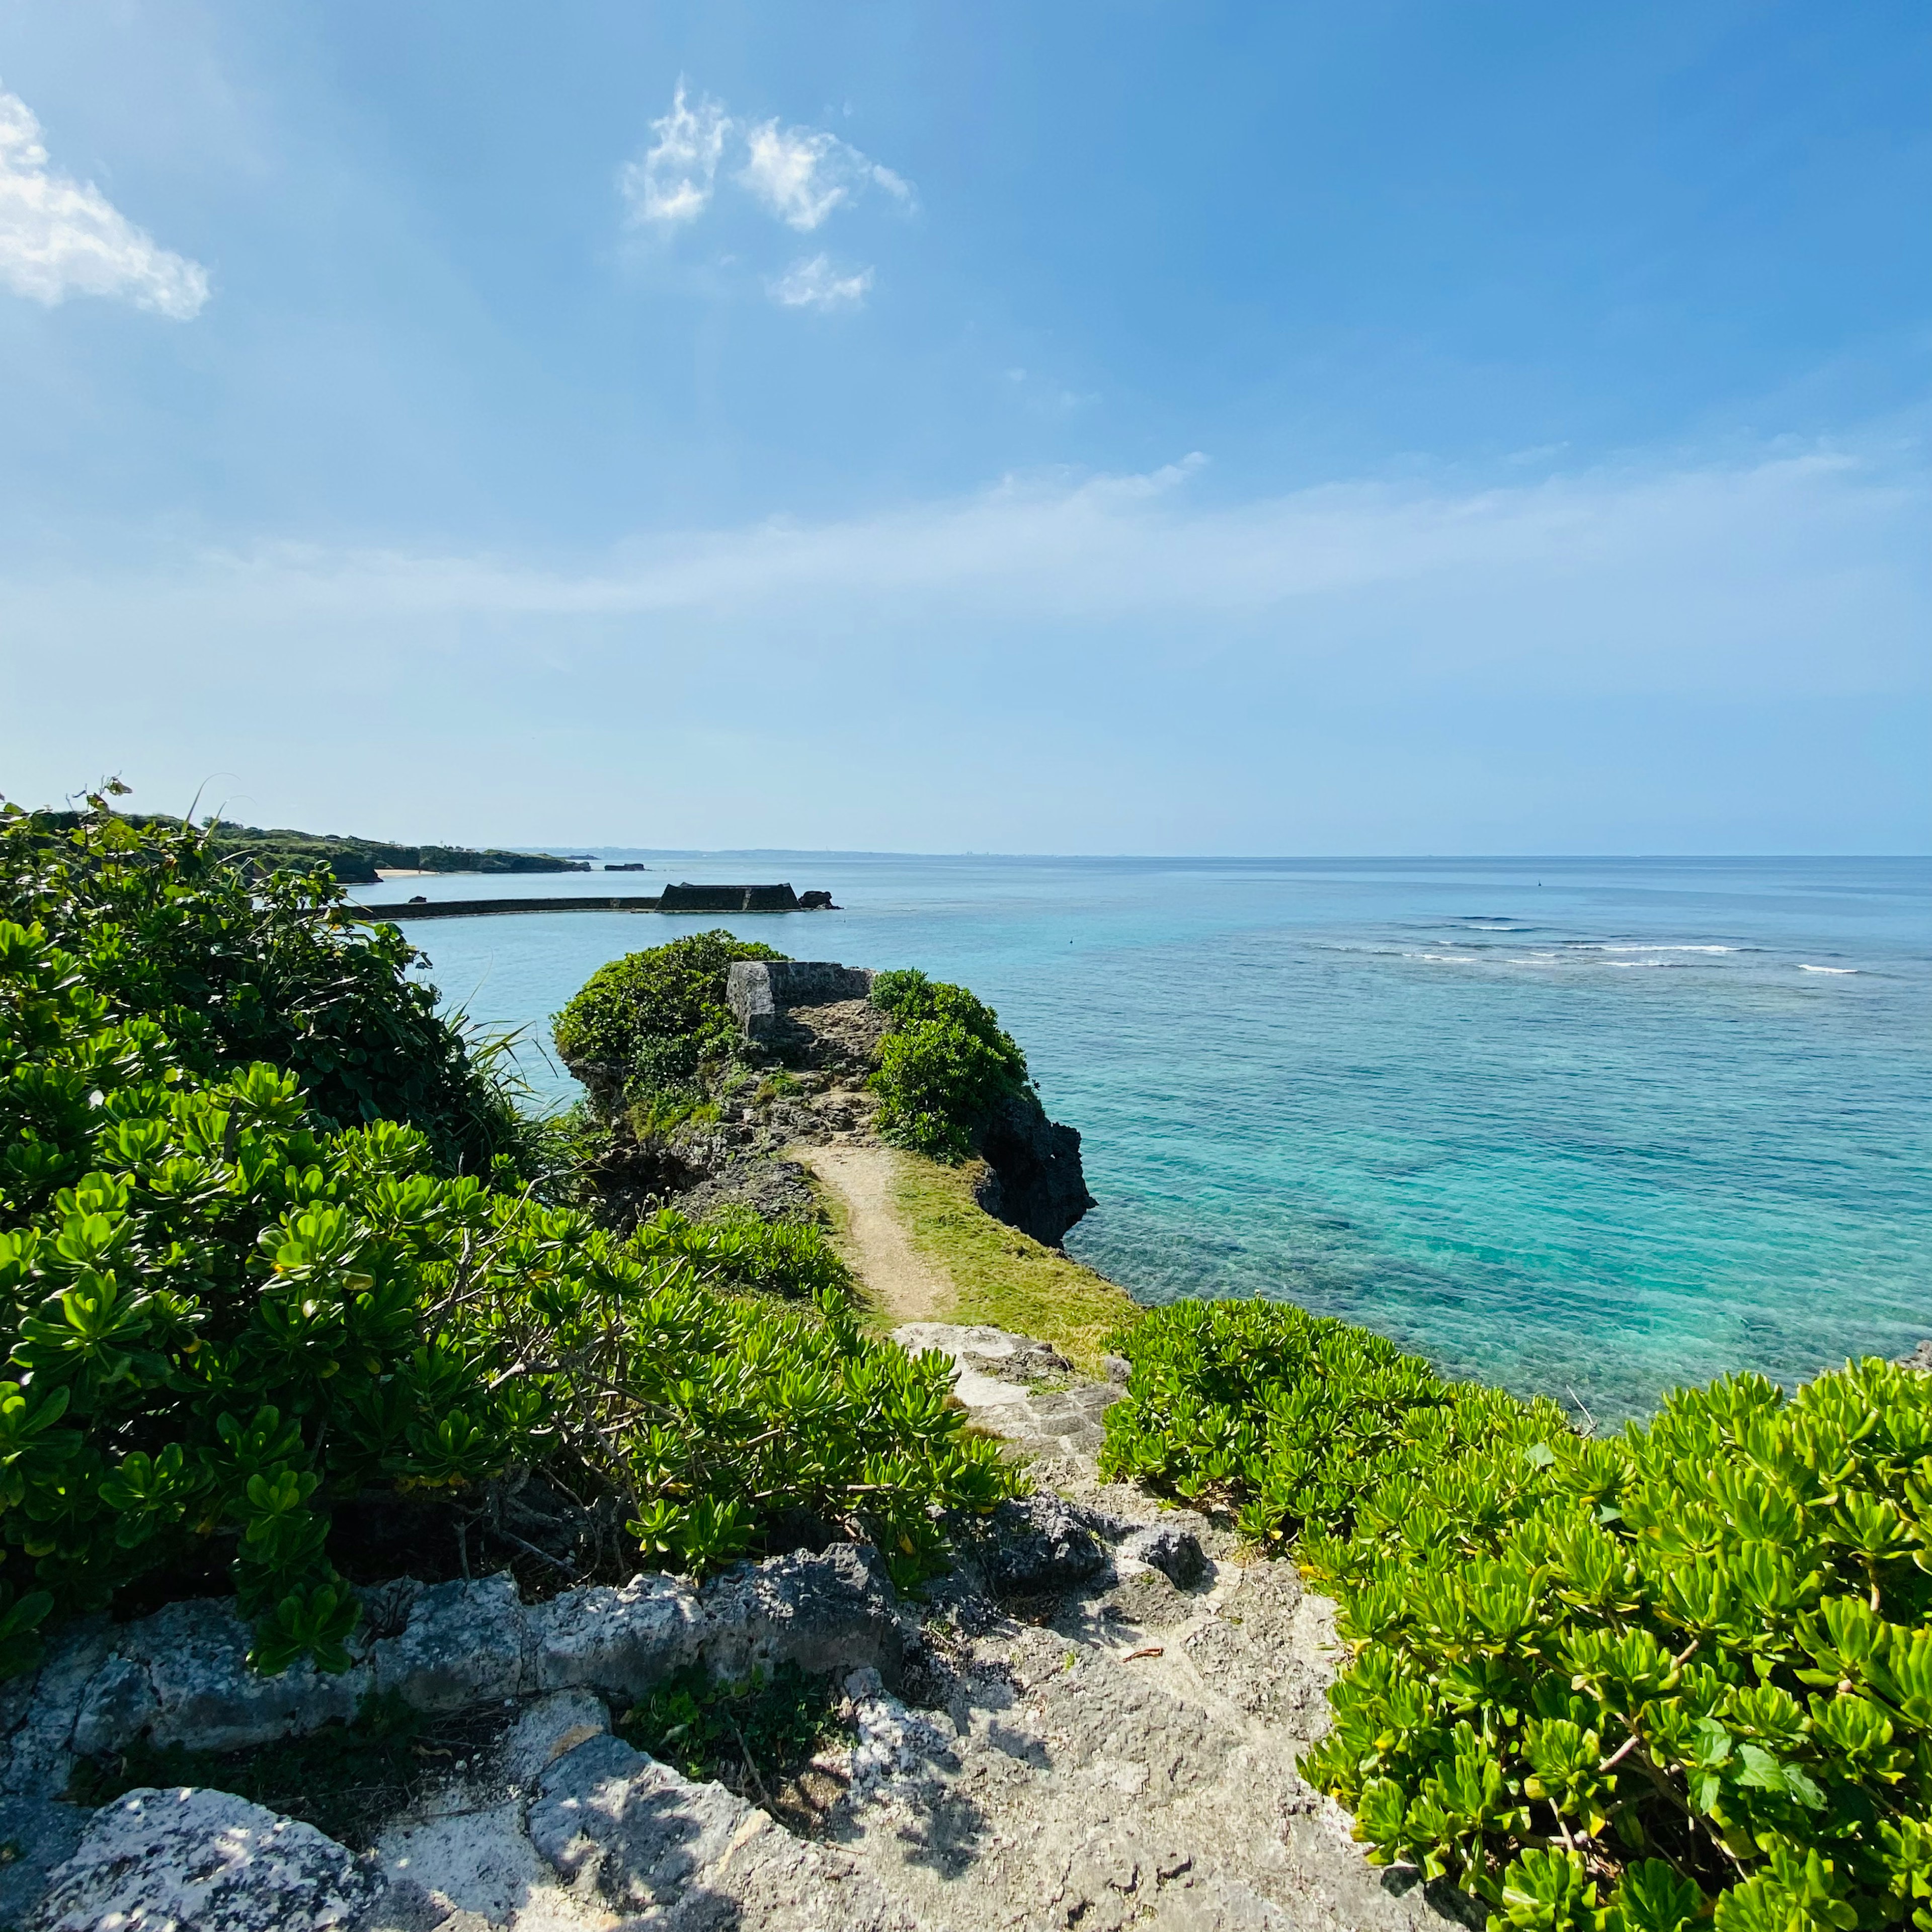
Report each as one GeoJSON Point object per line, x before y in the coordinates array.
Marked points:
{"type": "Point", "coordinates": [1136, 428]}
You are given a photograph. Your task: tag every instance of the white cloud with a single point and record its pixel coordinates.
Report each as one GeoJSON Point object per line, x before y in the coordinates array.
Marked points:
{"type": "Point", "coordinates": [671, 182]}
{"type": "Point", "coordinates": [816, 283]}
{"type": "Point", "coordinates": [789, 172]}
{"type": "Point", "coordinates": [1663, 655]}
{"type": "Point", "coordinates": [60, 237]}
{"type": "Point", "coordinates": [799, 175]}
{"type": "Point", "coordinates": [802, 174]}
{"type": "Point", "coordinates": [1786, 571]}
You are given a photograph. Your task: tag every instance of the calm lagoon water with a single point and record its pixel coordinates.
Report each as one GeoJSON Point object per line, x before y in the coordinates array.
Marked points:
{"type": "Point", "coordinates": [1588, 1127]}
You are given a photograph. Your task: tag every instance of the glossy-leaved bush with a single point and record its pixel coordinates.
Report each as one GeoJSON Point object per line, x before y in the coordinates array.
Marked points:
{"type": "Point", "coordinates": [1681, 1675]}
{"type": "Point", "coordinates": [645, 1024]}
{"type": "Point", "coordinates": [225, 1315]}
{"type": "Point", "coordinates": [944, 1065]}
{"type": "Point", "coordinates": [239, 968]}
{"type": "Point", "coordinates": [735, 1248]}
{"type": "Point", "coordinates": [719, 1418]}
{"type": "Point", "coordinates": [1291, 1419]}
{"type": "Point", "coordinates": [219, 1319]}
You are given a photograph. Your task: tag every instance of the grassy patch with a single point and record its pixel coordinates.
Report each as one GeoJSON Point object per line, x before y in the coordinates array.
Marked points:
{"type": "Point", "coordinates": [757, 1738]}
{"type": "Point", "coordinates": [1000, 1276]}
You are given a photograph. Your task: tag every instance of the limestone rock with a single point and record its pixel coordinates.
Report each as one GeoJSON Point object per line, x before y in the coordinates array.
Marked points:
{"type": "Point", "coordinates": [645, 1831]}
{"type": "Point", "coordinates": [1038, 1544]}
{"type": "Point", "coordinates": [692, 1857]}
{"type": "Point", "coordinates": [550, 1728]}
{"type": "Point", "coordinates": [835, 1611]}
{"type": "Point", "coordinates": [192, 1861]}
{"type": "Point", "coordinates": [617, 1641]}
{"type": "Point", "coordinates": [1174, 1552]}
{"type": "Point", "coordinates": [1012, 1387]}
{"type": "Point", "coordinates": [37, 1715]}
{"type": "Point", "coordinates": [118, 1704]}
{"type": "Point", "coordinates": [195, 1656]}
{"type": "Point", "coordinates": [464, 1644]}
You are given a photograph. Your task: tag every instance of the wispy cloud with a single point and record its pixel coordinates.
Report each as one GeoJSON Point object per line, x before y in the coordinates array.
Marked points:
{"type": "Point", "coordinates": [799, 175]}
{"type": "Point", "coordinates": [1788, 569]}
{"type": "Point", "coordinates": [802, 174]}
{"type": "Point", "coordinates": [671, 182]}
{"type": "Point", "coordinates": [60, 237]}
{"type": "Point", "coordinates": [1662, 654]}
{"type": "Point", "coordinates": [816, 283]}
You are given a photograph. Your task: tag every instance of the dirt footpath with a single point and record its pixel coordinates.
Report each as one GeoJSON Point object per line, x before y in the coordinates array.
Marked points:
{"type": "Point", "coordinates": [872, 1238]}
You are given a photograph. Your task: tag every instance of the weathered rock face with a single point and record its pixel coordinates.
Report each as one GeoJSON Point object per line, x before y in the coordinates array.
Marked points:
{"type": "Point", "coordinates": [181, 1676]}
{"type": "Point", "coordinates": [1020, 1388]}
{"type": "Point", "coordinates": [759, 990]}
{"type": "Point", "coordinates": [1040, 1543]}
{"type": "Point", "coordinates": [691, 1856]}
{"type": "Point", "coordinates": [840, 1037]}
{"type": "Point", "coordinates": [1174, 1551]}
{"type": "Point", "coordinates": [1037, 1183]}
{"type": "Point", "coordinates": [204, 1860]}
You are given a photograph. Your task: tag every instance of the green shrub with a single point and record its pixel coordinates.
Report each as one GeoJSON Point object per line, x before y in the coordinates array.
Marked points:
{"type": "Point", "coordinates": [647, 1023]}
{"type": "Point", "coordinates": [1290, 1418]}
{"type": "Point", "coordinates": [239, 969]}
{"type": "Point", "coordinates": [721, 1420]}
{"type": "Point", "coordinates": [1623, 1685]}
{"type": "Point", "coordinates": [944, 1067]}
{"type": "Point", "coordinates": [221, 1323]}
{"type": "Point", "coordinates": [739, 1248]}
{"type": "Point", "coordinates": [754, 1734]}
{"type": "Point", "coordinates": [216, 1319]}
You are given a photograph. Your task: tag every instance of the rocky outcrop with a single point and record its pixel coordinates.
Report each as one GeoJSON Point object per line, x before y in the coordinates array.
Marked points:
{"type": "Point", "coordinates": [607, 1819]}
{"type": "Point", "coordinates": [1024, 1391]}
{"type": "Point", "coordinates": [1035, 1181]}
{"type": "Point", "coordinates": [1093, 1721]}
{"type": "Point", "coordinates": [758, 991]}
{"type": "Point", "coordinates": [813, 1013]}
{"type": "Point", "coordinates": [181, 1676]}
{"type": "Point", "coordinates": [207, 1860]}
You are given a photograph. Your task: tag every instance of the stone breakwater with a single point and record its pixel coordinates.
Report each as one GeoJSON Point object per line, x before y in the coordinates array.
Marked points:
{"type": "Point", "coordinates": [1091, 1722]}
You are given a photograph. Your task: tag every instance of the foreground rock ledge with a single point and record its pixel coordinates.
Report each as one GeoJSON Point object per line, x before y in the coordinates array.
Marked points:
{"type": "Point", "coordinates": [1092, 1722]}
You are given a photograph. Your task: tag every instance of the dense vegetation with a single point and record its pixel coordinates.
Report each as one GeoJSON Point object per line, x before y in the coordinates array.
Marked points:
{"type": "Point", "coordinates": [651, 1036]}
{"type": "Point", "coordinates": [236, 970]}
{"type": "Point", "coordinates": [945, 1067]}
{"type": "Point", "coordinates": [226, 1313]}
{"type": "Point", "coordinates": [791, 1260]}
{"type": "Point", "coordinates": [1630, 1684]}
{"type": "Point", "coordinates": [350, 860]}
{"type": "Point", "coordinates": [645, 1025]}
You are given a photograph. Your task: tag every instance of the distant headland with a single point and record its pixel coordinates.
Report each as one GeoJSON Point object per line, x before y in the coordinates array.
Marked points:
{"type": "Point", "coordinates": [354, 861]}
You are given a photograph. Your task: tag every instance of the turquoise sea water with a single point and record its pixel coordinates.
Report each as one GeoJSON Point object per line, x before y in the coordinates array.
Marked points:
{"type": "Point", "coordinates": [1589, 1127]}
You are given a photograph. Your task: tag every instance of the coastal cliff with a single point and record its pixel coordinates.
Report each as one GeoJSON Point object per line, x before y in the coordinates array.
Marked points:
{"type": "Point", "coordinates": [800, 1066]}
{"type": "Point", "coordinates": [1035, 1180]}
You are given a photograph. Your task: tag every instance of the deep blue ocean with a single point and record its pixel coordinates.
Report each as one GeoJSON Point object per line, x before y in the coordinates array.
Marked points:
{"type": "Point", "coordinates": [1588, 1127]}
